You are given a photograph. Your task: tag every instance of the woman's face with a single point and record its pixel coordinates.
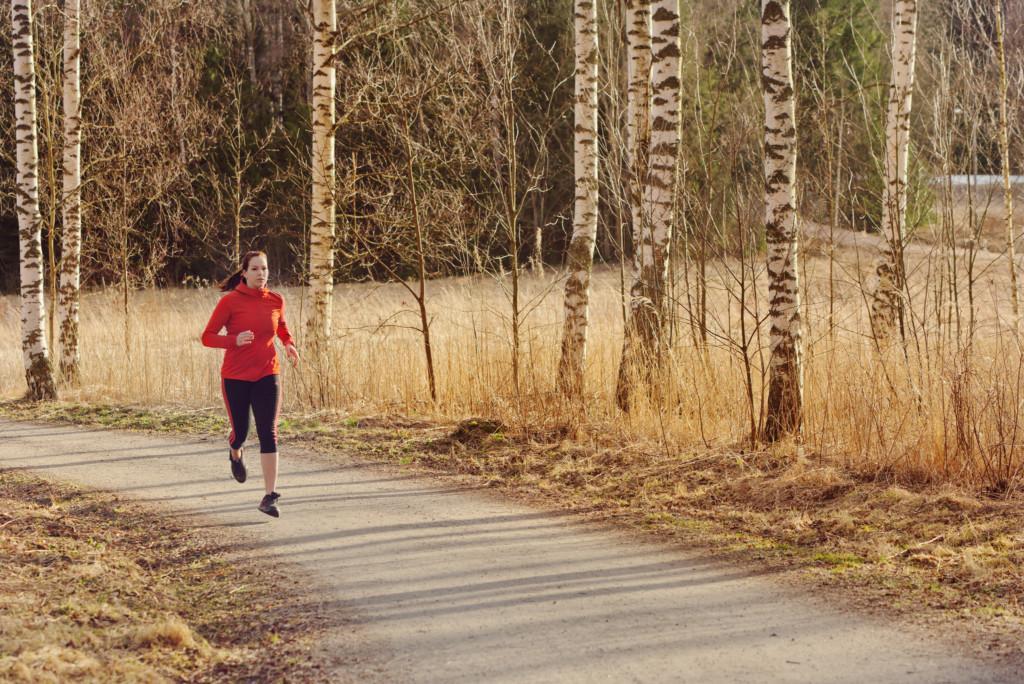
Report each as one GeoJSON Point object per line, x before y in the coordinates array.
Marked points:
{"type": "Point", "coordinates": [256, 274]}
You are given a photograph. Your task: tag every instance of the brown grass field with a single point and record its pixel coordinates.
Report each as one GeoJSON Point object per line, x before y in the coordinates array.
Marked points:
{"type": "Point", "coordinates": [936, 410]}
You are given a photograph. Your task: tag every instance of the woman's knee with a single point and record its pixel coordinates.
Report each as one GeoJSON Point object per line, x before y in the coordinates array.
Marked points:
{"type": "Point", "coordinates": [265, 405]}
{"type": "Point", "coordinates": [268, 441]}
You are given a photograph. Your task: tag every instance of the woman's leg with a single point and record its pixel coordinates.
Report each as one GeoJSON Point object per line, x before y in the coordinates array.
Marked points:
{"type": "Point", "coordinates": [236, 400]}
{"type": "Point", "coordinates": [266, 407]}
{"type": "Point", "coordinates": [269, 463]}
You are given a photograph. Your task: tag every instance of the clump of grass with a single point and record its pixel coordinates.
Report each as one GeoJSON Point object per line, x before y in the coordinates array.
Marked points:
{"type": "Point", "coordinates": [170, 632]}
{"type": "Point", "coordinates": [58, 664]}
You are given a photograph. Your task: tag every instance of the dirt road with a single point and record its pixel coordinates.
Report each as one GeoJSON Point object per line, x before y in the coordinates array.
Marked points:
{"type": "Point", "coordinates": [453, 585]}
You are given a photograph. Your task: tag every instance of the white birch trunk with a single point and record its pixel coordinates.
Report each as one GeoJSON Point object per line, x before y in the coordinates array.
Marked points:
{"type": "Point", "coordinates": [584, 233]}
{"type": "Point", "coordinates": [642, 316]}
{"type": "Point", "coordinates": [38, 371]}
{"type": "Point", "coordinates": [71, 244]}
{"type": "Point", "coordinates": [321, 234]}
{"type": "Point", "coordinates": [247, 14]}
{"type": "Point", "coordinates": [662, 175]}
{"type": "Point", "coordinates": [638, 125]}
{"type": "Point", "coordinates": [1004, 152]}
{"type": "Point", "coordinates": [784, 412]}
{"type": "Point", "coordinates": [887, 299]}
{"type": "Point", "coordinates": [277, 44]}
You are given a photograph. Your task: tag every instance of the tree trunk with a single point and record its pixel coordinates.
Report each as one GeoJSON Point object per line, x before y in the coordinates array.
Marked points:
{"type": "Point", "coordinates": [421, 263]}
{"type": "Point", "coordinates": [38, 370]}
{"type": "Point", "coordinates": [277, 50]}
{"type": "Point", "coordinates": [662, 176]}
{"type": "Point", "coordinates": [71, 244]}
{"type": "Point", "coordinates": [321, 234]}
{"type": "Point", "coordinates": [584, 232]}
{"type": "Point", "coordinates": [785, 383]}
{"type": "Point", "coordinates": [247, 14]}
{"type": "Point", "coordinates": [887, 300]}
{"type": "Point", "coordinates": [1004, 152]}
{"type": "Point", "coordinates": [237, 171]}
{"type": "Point", "coordinates": [642, 322]}
{"type": "Point", "coordinates": [537, 257]}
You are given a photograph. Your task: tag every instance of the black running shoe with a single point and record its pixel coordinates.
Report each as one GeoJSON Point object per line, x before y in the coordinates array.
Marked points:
{"type": "Point", "coordinates": [238, 466]}
{"type": "Point", "coordinates": [269, 504]}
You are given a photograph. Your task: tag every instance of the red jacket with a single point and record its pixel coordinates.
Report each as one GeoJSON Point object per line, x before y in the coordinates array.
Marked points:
{"type": "Point", "coordinates": [246, 308]}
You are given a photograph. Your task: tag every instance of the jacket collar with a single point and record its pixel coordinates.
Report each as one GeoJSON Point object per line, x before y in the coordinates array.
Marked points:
{"type": "Point", "coordinates": [251, 291]}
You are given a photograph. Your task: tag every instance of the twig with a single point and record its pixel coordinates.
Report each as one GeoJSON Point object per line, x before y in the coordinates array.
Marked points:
{"type": "Point", "coordinates": [9, 522]}
{"type": "Point", "coordinates": [907, 551]}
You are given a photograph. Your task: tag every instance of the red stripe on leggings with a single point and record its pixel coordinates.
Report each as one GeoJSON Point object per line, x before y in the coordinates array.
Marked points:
{"type": "Point", "coordinates": [227, 405]}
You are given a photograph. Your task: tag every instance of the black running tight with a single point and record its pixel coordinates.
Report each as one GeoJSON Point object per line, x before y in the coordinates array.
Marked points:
{"type": "Point", "coordinates": [264, 396]}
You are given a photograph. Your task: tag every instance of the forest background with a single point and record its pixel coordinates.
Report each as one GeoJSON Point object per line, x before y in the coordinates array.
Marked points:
{"type": "Point", "coordinates": [197, 124]}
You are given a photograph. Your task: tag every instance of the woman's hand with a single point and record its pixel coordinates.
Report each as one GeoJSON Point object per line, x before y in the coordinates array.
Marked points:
{"type": "Point", "coordinates": [244, 338]}
{"type": "Point", "coordinates": [293, 355]}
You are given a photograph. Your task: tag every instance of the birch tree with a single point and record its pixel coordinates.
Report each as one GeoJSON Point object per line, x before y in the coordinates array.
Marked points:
{"type": "Point", "coordinates": [784, 412]}
{"type": "Point", "coordinates": [887, 299]}
{"type": "Point", "coordinates": [642, 320]}
{"type": "Point", "coordinates": [277, 50]}
{"type": "Point", "coordinates": [321, 234]}
{"type": "Point", "coordinates": [662, 176]}
{"type": "Point", "coordinates": [581, 247]}
{"type": "Point", "coordinates": [643, 349]}
{"type": "Point", "coordinates": [38, 371]}
{"type": "Point", "coordinates": [1004, 153]}
{"type": "Point", "coordinates": [71, 243]}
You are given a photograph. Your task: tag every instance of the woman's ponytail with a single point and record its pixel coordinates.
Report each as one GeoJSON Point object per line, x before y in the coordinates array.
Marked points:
{"type": "Point", "coordinates": [231, 282]}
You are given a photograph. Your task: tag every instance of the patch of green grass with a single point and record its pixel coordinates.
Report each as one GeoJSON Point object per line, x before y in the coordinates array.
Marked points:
{"type": "Point", "coordinates": [992, 610]}
{"type": "Point", "coordinates": [716, 536]}
{"type": "Point", "coordinates": [120, 417]}
{"type": "Point", "coordinates": [677, 521]}
{"type": "Point", "coordinates": [299, 424]}
{"type": "Point", "coordinates": [760, 543]}
{"type": "Point", "coordinates": [837, 560]}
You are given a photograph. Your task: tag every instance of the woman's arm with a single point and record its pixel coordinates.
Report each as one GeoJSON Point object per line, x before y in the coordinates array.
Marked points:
{"type": "Point", "coordinates": [286, 338]}
{"type": "Point", "coordinates": [282, 328]}
{"type": "Point", "coordinates": [211, 336]}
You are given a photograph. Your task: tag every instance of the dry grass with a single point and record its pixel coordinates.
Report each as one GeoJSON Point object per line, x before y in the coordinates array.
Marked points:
{"type": "Point", "coordinates": [95, 589]}
{"type": "Point", "coordinates": [943, 411]}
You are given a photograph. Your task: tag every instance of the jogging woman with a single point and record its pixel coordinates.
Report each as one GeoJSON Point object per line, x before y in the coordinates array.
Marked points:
{"type": "Point", "coordinates": [252, 316]}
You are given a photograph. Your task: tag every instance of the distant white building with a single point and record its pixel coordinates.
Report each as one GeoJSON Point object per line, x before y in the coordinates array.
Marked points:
{"type": "Point", "coordinates": [979, 180]}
